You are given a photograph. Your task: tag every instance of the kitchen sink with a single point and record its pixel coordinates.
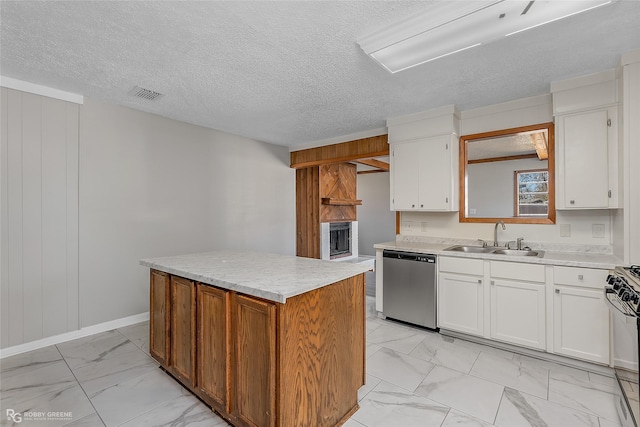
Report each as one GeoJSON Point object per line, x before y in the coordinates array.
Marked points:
{"type": "Point", "coordinates": [470, 249]}
{"type": "Point", "coordinates": [494, 250]}
{"type": "Point", "coordinates": [516, 252]}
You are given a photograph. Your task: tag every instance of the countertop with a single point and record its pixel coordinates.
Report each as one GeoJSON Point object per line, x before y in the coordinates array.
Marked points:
{"type": "Point", "coordinates": [264, 275]}
{"type": "Point", "coordinates": [572, 259]}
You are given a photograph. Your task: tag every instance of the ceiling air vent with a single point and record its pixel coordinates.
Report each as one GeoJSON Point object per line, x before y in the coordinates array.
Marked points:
{"type": "Point", "coordinates": [147, 94]}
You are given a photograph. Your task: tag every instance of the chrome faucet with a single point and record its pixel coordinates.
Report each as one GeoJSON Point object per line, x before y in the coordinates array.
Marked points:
{"type": "Point", "coordinates": [495, 232]}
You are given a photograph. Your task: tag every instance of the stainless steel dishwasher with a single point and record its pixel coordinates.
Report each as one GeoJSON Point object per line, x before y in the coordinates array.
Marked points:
{"type": "Point", "coordinates": [409, 287]}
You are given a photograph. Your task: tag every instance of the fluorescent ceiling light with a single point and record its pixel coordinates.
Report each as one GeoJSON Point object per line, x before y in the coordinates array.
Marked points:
{"type": "Point", "coordinates": [449, 27]}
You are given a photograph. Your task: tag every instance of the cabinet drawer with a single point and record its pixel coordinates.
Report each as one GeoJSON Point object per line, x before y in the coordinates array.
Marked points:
{"type": "Point", "coordinates": [461, 265]}
{"type": "Point", "coordinates": [518, 271]}
{"type": "Point", "coordinates": [576, 276]}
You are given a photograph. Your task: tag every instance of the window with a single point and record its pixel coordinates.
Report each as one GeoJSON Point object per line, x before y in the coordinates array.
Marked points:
{"type": "Point", "coordinates": [532, 193]}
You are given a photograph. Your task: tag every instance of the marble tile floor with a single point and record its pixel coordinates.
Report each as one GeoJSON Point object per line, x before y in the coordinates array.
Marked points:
{"type": "Point", "coordinates": [414, 378]}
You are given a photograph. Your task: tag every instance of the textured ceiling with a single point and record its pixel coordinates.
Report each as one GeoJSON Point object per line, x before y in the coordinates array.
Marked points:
{"type": "Point", "coordinates": [288, 73]}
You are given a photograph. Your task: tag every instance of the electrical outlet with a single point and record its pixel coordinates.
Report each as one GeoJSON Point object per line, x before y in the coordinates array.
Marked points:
{"type": "Point", "coordinates": [407, 225]}
{"type": "Point", "coordinates": [597, 230]}
{"type": "Point", "coordinates": [423, 227]}
{"type": "Point", "coordinates": [472, 211]}
{"type": "Point", "coordinates": [565, 230]}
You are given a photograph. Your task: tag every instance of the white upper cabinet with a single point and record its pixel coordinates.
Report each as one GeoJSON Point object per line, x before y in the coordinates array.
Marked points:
{"type": "Point", "coordinates": [422, 174]}
{"type": "Point", "coordinates": [586, 116]}
{"type": "Point", "coordinates": [424, 161]}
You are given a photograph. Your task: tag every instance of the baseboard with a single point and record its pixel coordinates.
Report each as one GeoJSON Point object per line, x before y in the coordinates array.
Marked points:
{"type": "Point", "coordinates": [80, 333]}
{"type": "Point", "coordinates": [550, 357]}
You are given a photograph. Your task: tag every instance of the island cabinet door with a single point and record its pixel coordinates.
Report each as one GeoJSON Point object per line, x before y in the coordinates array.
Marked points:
{"type": "Point", "coordinates": [159, 318]}
{"type": "Point", "coordinates": [213, 349]}
{"type": "Point", "coordinates": [182, 363]}
{"type": "Point", "coordinates": [255, 361]}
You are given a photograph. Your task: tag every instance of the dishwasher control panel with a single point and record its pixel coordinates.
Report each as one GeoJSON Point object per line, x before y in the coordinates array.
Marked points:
{"type": "Point", "coordinates": [409, 256]}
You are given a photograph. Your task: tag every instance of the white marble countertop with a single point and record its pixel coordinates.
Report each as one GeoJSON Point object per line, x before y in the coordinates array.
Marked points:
{"type": "Point", "coordinates": [572, 259]}
{"type": "Point", "coordinates": [369, 260]}
{"type": "Point", "coordinates": [269, 276]}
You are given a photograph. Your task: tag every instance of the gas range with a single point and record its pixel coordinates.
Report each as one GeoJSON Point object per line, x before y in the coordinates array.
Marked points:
{"type": "Point", "coordinates": [623, 289]}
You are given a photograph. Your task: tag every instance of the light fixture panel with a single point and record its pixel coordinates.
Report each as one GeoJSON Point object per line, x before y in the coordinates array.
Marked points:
{"type": "Point", "coordinates": [451, 27]}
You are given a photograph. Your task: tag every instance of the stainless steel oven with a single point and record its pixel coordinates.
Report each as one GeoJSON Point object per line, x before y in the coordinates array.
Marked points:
{"type": "Point", "coordinates": [623, 295]}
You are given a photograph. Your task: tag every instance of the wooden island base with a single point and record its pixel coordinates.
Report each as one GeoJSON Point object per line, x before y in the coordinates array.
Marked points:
{"type": "Point", "coordinates": [263, 363]}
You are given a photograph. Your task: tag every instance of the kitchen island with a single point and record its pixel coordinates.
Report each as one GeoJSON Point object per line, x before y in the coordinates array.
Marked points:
{"type": "Point", "coordinates": [265, 339]}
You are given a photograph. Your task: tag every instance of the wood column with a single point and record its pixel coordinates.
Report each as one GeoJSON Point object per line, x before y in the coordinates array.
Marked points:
{"type": "Point", "coordinates": [308, 212]}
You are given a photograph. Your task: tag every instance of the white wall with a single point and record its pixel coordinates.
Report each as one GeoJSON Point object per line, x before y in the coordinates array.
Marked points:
{"type": "Point", "coordinates": [151, 186]}
{"type": "Point", "coordinates": [89, 190]}
{"type": "Point", "coordinates": [376, 222]}
{"type": "Point", "coordinates": [39, 244]}
{"type": "Point", "coordinates": [447, 225]}
{"type": "Point", "coordinates": [512, 114]}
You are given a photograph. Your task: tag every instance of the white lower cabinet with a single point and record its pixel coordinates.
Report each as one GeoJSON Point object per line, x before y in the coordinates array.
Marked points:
{"type": "Point", "coordinates": [524, 304]}
{"type": "Point", "coordinates": [461, 305]}
{"type": "Point", "coordinates": [581, 326]}
{"type": "Point", "coordinates": [518, 313]}
{"type": "Point", "coordinates": [518, 308]}
{"type": "Point", "coordinates": [461, 295]}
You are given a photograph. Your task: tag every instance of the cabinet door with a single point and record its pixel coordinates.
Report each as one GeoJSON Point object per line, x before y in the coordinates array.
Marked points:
{"type": "Point", "coordinates": [518, 313]}
{"type": "Point", "coordinates": [159, 317]}
{"type": "Point", "coordinates": [182, 361]}
{"type": "Point", "coordinates": [436, 174]}
{"type": "Point", "coordinates": [405, 169]}
{"type": "Point", "coordinates": [460, 303]}
{"type": "Point", "coordinates": [213, 349]}
{"type": "Point", "coordinates": [584, 140]}
{"type": "Point", "coordinates": [581, 323]}
{"type": "Point", "coordinates": [255, 361]}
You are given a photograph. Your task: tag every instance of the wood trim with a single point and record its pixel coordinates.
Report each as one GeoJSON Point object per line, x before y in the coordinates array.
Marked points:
{"type": "Point", "coordinates": [375, 146]}
{"type": "Point", "coordinates": [502, 132]}
{"type": "Point", "coordinates": [462, 180]}
{"type": "Point", "coordinates": [374, 163]}
{"type": "Point", "coordinates": [397, 222]}
{"type": "Point", "coordinates": [371, 171]}
{"type": "Point", "coordinates": [551, 218]}
{"type": "Point", "coordinates": [504, 159]}
{"type": "Point", "coordinates": [340, 202]}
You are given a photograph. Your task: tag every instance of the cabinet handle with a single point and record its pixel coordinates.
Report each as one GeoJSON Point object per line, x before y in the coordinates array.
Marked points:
{"type": "Point", "coordinates": [446, 200]}
{"type": "Point", "coordinates": [422, 206]}
{"type": "Point", "coordinates": [413, 206]}
{"type": "Point", "coordinates": [609, 122]}
{"type": "Point", "coordinates": [479, 281]}
{"type": "Point", "coordinates": [557, 291]}
{"type": "Point", "coordinates": [580, 277]}
{"type": "Point", "coordinates": [609, 193]}
{"type": "Point", "coordinates": [493, 283]}
{"type": "Point", "coordinates": [573, 202]}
